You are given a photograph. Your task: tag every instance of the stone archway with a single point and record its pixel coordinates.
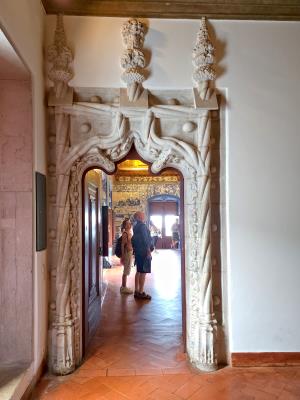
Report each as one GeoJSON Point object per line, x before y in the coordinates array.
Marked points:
{"type": "Point", "coordinates": [98, 135]}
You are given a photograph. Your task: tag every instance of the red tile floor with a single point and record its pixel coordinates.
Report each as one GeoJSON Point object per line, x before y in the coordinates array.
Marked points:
{"type": "Point", "coordinates": [137, 352]}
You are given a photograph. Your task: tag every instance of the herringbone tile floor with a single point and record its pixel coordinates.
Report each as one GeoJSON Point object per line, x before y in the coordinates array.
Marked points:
{"type": "Point", "coordinates": [137, 353]}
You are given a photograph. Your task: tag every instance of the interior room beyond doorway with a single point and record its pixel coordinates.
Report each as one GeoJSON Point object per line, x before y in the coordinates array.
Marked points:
{"type": "Point", "coordinates": [136, 336]}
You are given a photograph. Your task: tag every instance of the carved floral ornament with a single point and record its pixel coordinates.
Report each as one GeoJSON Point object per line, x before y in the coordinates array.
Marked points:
{"type": "Point", "coordinates": [133, 59]}
{"type": "Point", "coordinates": [167, 136]}
{"type": "Point", "coordinates": [60, 55]}
{"type": "Point", "coordinates": [203, 59]}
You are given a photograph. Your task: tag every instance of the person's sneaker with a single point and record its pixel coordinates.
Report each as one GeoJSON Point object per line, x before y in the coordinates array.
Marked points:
{"type": "Point", "coordinates": [125, 290]}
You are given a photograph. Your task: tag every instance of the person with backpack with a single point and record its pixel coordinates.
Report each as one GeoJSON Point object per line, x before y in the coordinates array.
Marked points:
{"type": "Point", "coordinates": [126, 255]}
{"type": "Point", "coordinates": [142, 247]}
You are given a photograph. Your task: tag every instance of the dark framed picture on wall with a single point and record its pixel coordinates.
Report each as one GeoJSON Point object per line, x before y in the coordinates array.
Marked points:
{"type": "Point", "coordinates": [41, 211]}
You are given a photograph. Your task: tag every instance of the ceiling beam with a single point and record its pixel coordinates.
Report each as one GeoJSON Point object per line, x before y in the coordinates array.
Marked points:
{"type": "Point", "coordinates": [288, 10]}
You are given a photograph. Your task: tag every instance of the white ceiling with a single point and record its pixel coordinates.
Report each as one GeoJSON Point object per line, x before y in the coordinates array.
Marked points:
{"type": "Point", "coordinates": [11, 66]}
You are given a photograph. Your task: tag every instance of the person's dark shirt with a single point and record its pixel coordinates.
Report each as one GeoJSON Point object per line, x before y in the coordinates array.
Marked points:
{"type": "Point", "coordinates": [141, 240]}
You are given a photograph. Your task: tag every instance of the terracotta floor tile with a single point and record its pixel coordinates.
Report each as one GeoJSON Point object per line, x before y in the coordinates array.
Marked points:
{"type": "Point", "coordinates": [149, 371]}
{"type": "Point", "coordinates": [95, 385]}
{"type": "Point", "coordinates": [187, 390]}
{"type": "Point", "coordinates": [61, 393]}
{"type": "Point", "coordinates": [140, 391]}
{"type": "Point", "coordinates": [91, 373]}
{"type": "Point", "coordinates": [96, 395]}
{"type": "Point", "coordinates": [95, 363]}
{"type": "Point", "coordinates": [80, 379]}
{"type": "Point", "coordinates": [93, 396]}
{"type": "Point", "coordinates": [168, 383]}
{"type": "Point", "coordinates": [208, 392]}
{"type": "Point", "coordinates": [162, 395]}
{"type": "Point", "coordinates": [121, 383]}
{"type": "Point", "coordinates": [74, 387]}
{"type": "Point", "coordinates": [176, 371]}
{"type": "Point", "coordinates": [293, 388]}
{"type": "Point", "coordinates": [284, 395]}
{"type": "Point", "coordinates": [120, 372]}
{"type": "Point", "coordinates": [113, 395]}
{"type": "Point", "coordinates": [260, 394]}
{"type": "Point", "coordinates": [178, 380]}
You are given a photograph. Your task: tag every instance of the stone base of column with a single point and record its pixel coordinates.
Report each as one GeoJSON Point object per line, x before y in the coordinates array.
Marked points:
{"type": "Point", "coordinates": [207, 360]}
{"type": "Point", "coordinates": [62, 348]}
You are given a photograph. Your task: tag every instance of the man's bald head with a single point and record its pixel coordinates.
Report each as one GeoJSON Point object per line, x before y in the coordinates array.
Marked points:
{"type": "Point", "coordinates": [139, 216]}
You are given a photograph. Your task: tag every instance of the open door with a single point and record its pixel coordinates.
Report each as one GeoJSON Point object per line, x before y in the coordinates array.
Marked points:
{"type": "Point", "coordinates": [92, 266]}
{"type": "Point", "coordinates": [163, 214]}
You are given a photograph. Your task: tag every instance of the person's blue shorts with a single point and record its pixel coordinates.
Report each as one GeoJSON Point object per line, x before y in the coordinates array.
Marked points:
{"type": "Point", "coordinates": [143, 264]}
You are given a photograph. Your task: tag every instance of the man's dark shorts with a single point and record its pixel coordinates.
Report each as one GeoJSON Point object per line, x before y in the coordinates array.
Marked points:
{"type": "Point", "coordinates": [143, 264]}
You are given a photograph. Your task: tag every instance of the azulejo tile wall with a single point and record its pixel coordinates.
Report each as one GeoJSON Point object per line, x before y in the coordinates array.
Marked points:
{"type": "Point", "coordinates": [131, 193]}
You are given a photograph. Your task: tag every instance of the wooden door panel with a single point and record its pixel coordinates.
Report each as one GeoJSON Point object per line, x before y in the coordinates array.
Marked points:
{"type": "Point", "coordinates": [92, 262]}
{"type": "Point", "coordinates": [93, 243]}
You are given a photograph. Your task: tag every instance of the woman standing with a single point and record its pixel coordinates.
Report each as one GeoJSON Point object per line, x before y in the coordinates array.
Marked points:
{"type": "Point", "coordinates": [127, 255]}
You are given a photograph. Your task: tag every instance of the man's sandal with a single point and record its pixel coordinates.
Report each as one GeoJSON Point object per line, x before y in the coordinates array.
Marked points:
{"type": "Point", "coordinates": [143, 296]}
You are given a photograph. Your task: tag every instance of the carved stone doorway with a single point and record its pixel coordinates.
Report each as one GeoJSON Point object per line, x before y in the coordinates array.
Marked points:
{"type": "Point", "coordinates": [98, 135]}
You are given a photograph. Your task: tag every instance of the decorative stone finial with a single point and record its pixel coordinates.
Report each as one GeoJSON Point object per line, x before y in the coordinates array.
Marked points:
{"type": "Point", "coordinates": [133, 59]}
{"type": "Point", "coordinates": [203, 59]}
{"type": "Point", "coordinates": [61, 56]}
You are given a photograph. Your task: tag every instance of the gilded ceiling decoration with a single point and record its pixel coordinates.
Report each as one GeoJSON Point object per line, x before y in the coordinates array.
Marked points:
{"type": "Point", "coordinates": [132, 165]}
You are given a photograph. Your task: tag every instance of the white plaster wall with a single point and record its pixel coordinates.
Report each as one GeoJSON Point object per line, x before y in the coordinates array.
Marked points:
{"type": "Point", "coordinates": [23, 23]}
{"type": "Point", "coordinates": [259, 64]}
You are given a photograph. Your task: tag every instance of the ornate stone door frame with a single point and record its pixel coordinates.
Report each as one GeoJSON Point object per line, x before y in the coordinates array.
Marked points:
{"type": "Point", "coordinates": [97, 135]}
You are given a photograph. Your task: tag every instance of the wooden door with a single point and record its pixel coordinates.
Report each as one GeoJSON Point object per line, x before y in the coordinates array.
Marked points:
{"type": "Point", "coordinates": [92, 268]}
{"type": "Point", "coordinates": [162, 210]}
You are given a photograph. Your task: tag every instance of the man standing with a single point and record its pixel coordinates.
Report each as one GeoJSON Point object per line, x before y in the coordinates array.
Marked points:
{"type": "Point", "coordinates": [175, 234]}
{"type": "Point", "coordinates": [141, 242]}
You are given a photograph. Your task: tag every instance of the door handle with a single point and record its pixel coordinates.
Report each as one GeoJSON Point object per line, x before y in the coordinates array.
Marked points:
{"type": "Point", "coordinates": [100, 252]}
